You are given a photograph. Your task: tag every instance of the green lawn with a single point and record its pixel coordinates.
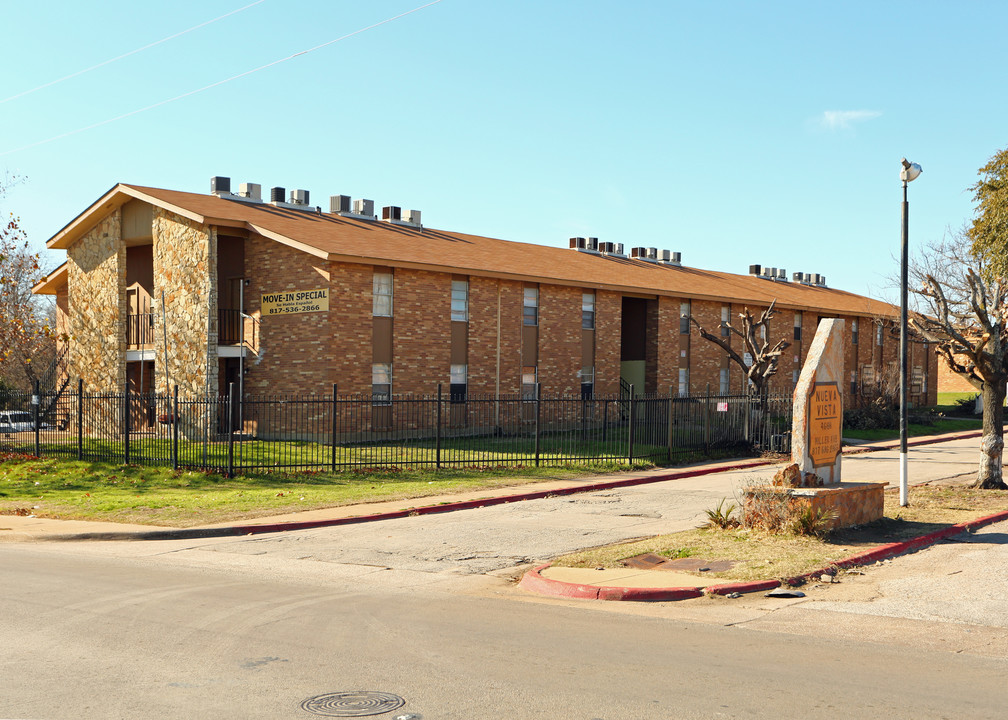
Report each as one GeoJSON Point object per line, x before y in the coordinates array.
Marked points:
{"type": "Point", "coordinates": [96, 490]}
{"type": "Point", "coordinates": [944, 425]}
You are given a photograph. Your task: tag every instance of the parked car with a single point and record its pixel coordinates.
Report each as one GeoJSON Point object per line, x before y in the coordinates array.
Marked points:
{"type": "Point", "coordinates": [12, 421]}
{"type": "Point", "coordinates": [15, 421]}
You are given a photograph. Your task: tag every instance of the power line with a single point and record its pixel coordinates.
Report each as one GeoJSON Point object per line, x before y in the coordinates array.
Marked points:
{"type": "Point", "coordinates": [216, 84]}
{"type": "Point", "coordinates": [126, 55]}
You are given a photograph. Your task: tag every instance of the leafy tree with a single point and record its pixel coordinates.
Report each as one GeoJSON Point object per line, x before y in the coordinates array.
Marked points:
{"type": "Point", "coordinates": [988, 231]}
{"type": "Point", "coordinates": [26, 333]}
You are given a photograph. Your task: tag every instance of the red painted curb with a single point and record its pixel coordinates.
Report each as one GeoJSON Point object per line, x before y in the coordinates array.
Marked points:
{"type": "Point", "coordinates": [742, 587]}
{"type": "Point", "coordinates": [533, 581]}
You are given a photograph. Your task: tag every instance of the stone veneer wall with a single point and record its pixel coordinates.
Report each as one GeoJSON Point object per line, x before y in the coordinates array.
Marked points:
{"type": "Point", "coordinates": [96, 279]}
{"type": "Point", "coordinates": [185, 268]}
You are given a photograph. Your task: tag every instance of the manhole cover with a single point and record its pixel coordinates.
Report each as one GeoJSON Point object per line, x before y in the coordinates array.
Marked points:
{"type": "Point", "coordinates": [358, 703]}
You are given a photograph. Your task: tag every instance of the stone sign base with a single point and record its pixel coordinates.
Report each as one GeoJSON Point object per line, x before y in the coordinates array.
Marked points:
{"type": "Point", "coordinates": [852, 503]}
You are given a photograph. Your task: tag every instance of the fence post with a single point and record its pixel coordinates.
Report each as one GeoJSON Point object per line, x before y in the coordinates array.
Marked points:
{"type": "Point", "coordinates": [745, 416]}
{"type": "Point", "coordinates": [707, 423]}
{"type": "Point", "coordinates": [126, 424]}
{"type": "Point", "coordinates": [334, 411]}
{"type": "Point", "coordinates": [671, 420]}
{"type": "Point", "coordinates": [36, 406]}
{"type": "Point", "coordinates": [537, 406]}
{"type": "Point", "coordinates": [632, 421]}
{"type": "Point", "coordinates": [437, 435]}
{"type": "Point", "coordinates": [80, 418]}
{"type": "Point", "coordinates": [605, 421]}
{"type": "Point", "coordinates": [230, 425]}
{"type": "Point", "coordinates": [175, 424]}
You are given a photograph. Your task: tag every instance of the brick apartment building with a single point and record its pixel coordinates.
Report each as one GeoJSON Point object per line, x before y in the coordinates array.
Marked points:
{"type": "Point", "coordinates": [299, 299]}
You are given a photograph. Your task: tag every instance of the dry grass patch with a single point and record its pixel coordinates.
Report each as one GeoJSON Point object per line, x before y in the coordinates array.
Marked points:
{"type": "Point", "coordinates": [760, 555]}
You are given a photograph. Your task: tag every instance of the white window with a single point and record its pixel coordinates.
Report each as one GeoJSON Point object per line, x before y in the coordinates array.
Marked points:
{"type": "Point", "coordinates": [794, 377]}
{"type": "Point", "coordinates": [725, 313]}
{"type": "Point", "coordinates": [382, 305]}
{"type": "Point", "coordinates": [460, 300]}
{"type": "Point", "coordinates": [457, 379]}
{"type": "Point", "coordinates": [587, 383]}
{"type": "Point", "coordinates": [854, 332]}
{"type": "Point", "coordinates": [529, 378]}
{"type": "Point", "coordinates": [683, 382]}
{"type": "Point", "coordinates": [724, 389]}
{"type": "Point", "coordinates": [381, 384]}
{"type": "Point", "coordinates": [588, 311]}
{"type": "Point", "coordinates": [530, 311]}
{"type": "Point", "coordinates": [878, 335]}
{"type": "Point", "coordinates": [684, 316]}
{"type": "Point", "coordinates": [797, 326]}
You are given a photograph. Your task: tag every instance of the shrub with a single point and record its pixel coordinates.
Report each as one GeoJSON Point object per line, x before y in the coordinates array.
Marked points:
{"type": "Point", "coordinates": [722, 517]}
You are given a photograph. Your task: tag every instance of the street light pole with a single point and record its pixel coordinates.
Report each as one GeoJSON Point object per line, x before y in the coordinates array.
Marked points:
{"type": "Point", "coordinates": [909, 173]}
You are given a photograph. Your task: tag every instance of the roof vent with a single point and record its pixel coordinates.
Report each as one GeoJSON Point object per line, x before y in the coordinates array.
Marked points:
{"type": "Point", "coordinates": [364, 207]}
{"type": "Point", "coordinates": [339, 203]}
{"type": "Point", "coordinates": [220, 185]}
{"type": "Point", "coordinates": [250, 191]}
{"type": "Point", "coordinates": [299, 197]}
{"type": "Point", "coordinates": [277, 194]}
{"type": "Point", "coordinates": [670, 258]}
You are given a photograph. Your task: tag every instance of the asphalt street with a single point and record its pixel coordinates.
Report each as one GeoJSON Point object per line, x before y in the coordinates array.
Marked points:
{"type": "Point", "coordinates": [426, 608]}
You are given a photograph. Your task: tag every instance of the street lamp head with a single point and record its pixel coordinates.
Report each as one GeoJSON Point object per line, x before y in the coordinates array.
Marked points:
{"type": "Point", "coordinates": [910, 171]}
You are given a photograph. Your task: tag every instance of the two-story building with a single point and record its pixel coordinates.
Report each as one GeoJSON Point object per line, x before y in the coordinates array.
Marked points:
{"type": "Point", "coordinates": [164, 288]}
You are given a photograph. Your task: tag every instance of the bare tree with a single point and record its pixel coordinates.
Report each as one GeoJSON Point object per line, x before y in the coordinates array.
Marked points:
{"type": "Point", "coordinates": [754, 334]}
{"type": "Point", "coordinates": [966, 317]}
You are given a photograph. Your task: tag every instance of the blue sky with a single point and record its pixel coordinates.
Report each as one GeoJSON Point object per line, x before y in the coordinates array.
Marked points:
{"type": "Point", "coordinates": [733, 132]}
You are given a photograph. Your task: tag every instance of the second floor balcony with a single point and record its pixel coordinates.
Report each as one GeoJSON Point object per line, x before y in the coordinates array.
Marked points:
{"type": "Point", "coordinates": [233, 328]}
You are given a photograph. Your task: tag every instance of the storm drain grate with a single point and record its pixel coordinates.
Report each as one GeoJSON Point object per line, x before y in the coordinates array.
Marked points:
{"type": "Point", "coordinates": [357, 703]}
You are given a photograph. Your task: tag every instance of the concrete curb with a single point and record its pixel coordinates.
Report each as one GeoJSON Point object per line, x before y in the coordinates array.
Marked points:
{"type": "Point", "coordinates": [533, 581]}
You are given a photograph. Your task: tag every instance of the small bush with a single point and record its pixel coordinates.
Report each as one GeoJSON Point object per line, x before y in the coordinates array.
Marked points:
{"type": "Point", "coordinates": [966, 405]}
{"type": "Point", "coordinates": [873, 416]}
{"type": "Point", "coordinates": [722, 517]}
{"type": "Point", "coordinates": [804, 520]}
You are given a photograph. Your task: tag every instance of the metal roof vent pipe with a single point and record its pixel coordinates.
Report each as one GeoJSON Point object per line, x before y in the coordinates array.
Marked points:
{"type": "Point", "coordinates": [220, 185]}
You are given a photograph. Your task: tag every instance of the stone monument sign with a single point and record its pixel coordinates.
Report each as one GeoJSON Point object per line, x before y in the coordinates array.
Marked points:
{"type": "Point", "coordinates": [817, 425]}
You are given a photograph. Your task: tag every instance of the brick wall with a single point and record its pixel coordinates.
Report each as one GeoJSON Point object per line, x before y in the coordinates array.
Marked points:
{"type": "Point", "coordinates": [705, 356]}
{"type": "Point", "coordinates": [421, 331]}
{"type": "Point", "coordinates": [608, 317]}
{"type": "Point", "coordinates": [560, 339]}
{"type": "Point", "coordinates": [296, 352]}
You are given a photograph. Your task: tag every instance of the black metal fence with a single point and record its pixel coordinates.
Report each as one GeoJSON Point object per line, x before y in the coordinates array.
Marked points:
{"type": "Point", "coordinates": [231, 434]}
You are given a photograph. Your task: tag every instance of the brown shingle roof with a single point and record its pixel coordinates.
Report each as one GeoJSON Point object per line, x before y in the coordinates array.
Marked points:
{"type": "Point", "coordinates": [372, 242]}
